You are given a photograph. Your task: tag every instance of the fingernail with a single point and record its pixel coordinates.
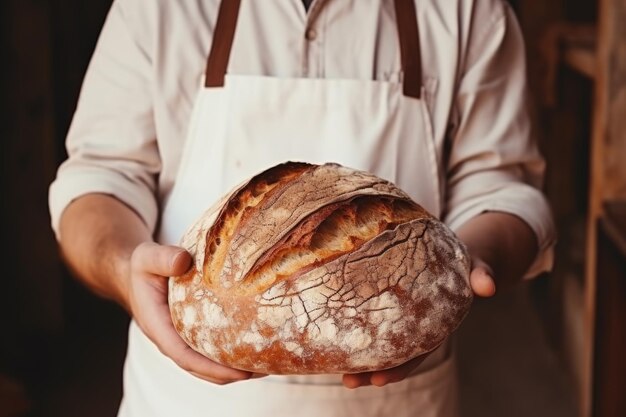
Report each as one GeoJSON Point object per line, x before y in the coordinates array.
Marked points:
{"type": "Point", "coordinates": [175, 259]}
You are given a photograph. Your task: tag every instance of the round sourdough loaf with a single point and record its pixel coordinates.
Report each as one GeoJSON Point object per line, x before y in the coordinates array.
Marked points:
{"type": "Point", "coordinates": [308, 269]}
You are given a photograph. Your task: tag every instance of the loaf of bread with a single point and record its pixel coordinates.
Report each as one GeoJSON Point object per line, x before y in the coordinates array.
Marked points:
{"type": "Point", "coordinates": [309, 269]}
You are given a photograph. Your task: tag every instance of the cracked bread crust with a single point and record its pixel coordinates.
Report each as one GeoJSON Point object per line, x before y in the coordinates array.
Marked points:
{"type": "Point", "coordinates": [311, 269]}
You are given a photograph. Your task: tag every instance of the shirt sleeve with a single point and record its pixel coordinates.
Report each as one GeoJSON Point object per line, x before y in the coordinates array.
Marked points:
{"type": "Point", "coordinates": [111, 142]}
{"type": "Point", "coordinates": [493, 162]}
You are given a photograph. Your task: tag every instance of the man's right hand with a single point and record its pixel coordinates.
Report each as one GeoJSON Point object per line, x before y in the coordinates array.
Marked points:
{"type": "Point", "coordinates": [151, 265]}
{"type": "Point", "coordinates": [117, 260]}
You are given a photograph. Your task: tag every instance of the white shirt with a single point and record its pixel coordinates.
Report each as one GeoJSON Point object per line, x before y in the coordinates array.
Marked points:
{"type": "Point", "coordinates": [128, 131]}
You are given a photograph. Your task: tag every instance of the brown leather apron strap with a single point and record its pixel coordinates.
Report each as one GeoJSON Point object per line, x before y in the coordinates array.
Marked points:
{"type": "Point", "coordinates": [223, 36]}
{"type": "Point", "coordinates": [408, 35]}
{"type": "Point", "coordinates": [410, 53]}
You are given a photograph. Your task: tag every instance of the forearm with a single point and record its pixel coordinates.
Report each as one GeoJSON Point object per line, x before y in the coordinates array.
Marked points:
{"type": "Point", "coordinates": [504, 241]}
{"type": "Point", "coordinates": [98, 234]}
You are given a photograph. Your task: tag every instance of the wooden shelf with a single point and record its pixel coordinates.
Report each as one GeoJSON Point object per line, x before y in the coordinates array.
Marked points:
{"type": "Point", "coordinates": [581, 58]}
{"type": "Point", "coordinates": [613, 223]}
{"type": "Point", "coordinates": [578, 44]}
{"type": "Point", "coordinates": [595, 51]}
{"type": "Point", "coordinates": [609, 365]}
{"type": "Point", "coordinates": [570, 44]}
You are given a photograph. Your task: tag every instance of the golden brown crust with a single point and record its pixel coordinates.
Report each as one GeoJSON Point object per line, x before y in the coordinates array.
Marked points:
{"type": "Point", "coordinates": [319, 269]}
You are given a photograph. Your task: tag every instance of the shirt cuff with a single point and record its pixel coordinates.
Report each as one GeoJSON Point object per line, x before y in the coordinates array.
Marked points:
{"type": "Point", "coordinates": [523, 201]}
{"type": "Point", "coordinates": [66, 188]}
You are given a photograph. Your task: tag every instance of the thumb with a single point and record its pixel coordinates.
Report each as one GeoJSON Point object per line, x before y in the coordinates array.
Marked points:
{"type": "Point", "coordinates": [482, 279]}
{"type": "Point", "coordinates": [160, 260]}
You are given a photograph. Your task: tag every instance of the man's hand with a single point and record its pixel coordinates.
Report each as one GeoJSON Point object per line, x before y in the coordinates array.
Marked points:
{"type": "Point", "coordinates": [502, 247]}
{"type": "Point", "coordinates": [497, 242]}
{"type": "Point", "coordinates": [483, 285]}
{"type": "Point", "coordinates": [382, 378]}
{"type": "Point", "coordinates": [151, 265]}
{"type": "Point", "coordinates": [118, 260]}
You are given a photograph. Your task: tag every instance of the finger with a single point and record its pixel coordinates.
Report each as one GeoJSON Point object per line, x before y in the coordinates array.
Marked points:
{"type": "Point", "coordinates": [222, 382]}
{"type": "Point", "coordinates": [170, 343]}
{"type": "Point", "coordinates": [482, 282]}
{"type": "Point", "coordinates": [195, 363]}
{"type": "Point", "coordinates": [397, 374]}
{"type": "Point", "coordinates": [209, 379]}
{"type": "Point", "coordinates": [160, 260]}
{"type": "Point", "coordinates": [357, 380]}
{"type": "Point", "coordinates": [156, 322]}
{"type": "Point", "coordinates": [215, 381]}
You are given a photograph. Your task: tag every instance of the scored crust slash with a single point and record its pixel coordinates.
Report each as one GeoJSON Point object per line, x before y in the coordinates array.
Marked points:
{"type": "Point", "coordinates": [310, 269]}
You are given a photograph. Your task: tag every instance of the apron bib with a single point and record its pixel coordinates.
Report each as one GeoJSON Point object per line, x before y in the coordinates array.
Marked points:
{"type": "Point", "coordinates": [242, 125]}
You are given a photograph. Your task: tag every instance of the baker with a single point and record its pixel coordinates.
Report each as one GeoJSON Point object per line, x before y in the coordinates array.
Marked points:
{"type": "Point", "coordinates": [429, 95]}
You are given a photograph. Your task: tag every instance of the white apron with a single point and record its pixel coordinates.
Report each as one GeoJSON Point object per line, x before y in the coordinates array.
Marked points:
{"type": "Point", "coordinates": [241, 125]}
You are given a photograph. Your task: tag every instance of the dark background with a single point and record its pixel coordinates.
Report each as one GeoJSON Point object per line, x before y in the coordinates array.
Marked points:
{"type": "Point", "coordinates": [57, 339]}
{"type": "Point", "coordinates": [62, 348]}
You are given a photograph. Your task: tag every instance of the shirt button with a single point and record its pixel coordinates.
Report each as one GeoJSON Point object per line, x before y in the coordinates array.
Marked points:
{"type": "Point", "coordinates": [310, 34]}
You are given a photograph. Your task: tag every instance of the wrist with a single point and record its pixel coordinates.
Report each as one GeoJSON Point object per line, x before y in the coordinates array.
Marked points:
{"type": "Point", "coordinates": [101, 258]}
